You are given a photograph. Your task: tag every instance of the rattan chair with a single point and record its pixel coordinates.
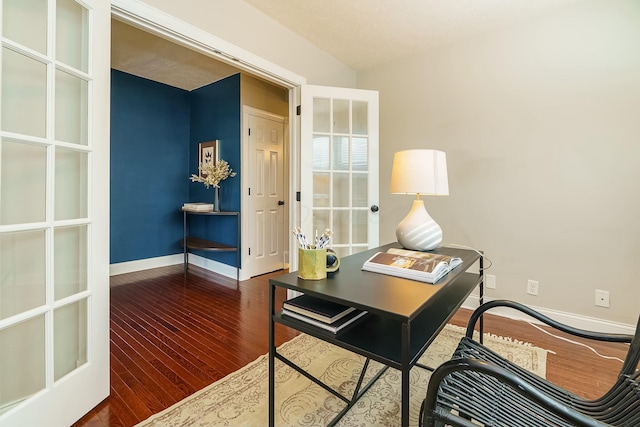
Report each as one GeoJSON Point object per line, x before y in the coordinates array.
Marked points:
{"type": "Point", "coordinates": [478, 387]}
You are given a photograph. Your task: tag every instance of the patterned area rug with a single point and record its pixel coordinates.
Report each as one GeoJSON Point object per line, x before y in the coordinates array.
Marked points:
{"type": "Point", "coordinates": [241, 398]}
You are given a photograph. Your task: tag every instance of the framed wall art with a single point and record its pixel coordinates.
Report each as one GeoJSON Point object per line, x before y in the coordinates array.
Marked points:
{"type": "Point", "coordinates": [207, 154]}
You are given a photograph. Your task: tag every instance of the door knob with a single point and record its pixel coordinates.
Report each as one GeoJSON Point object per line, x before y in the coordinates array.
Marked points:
{"type": "Point", "coordinates": [374, 208]}
{"type": "Point", "coordinates": [280, 202]}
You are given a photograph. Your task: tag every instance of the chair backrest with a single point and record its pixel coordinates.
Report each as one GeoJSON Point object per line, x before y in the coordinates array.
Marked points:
{"type": "Point", "coordinates": [630, 365]}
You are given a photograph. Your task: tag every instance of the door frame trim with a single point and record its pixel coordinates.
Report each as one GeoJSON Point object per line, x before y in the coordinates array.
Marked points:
{"type": "Point", "coordinates": [157, 22]}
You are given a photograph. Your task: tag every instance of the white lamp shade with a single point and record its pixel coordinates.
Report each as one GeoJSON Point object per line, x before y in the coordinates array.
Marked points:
{"type": "Point", "coordinates": [420, 172]}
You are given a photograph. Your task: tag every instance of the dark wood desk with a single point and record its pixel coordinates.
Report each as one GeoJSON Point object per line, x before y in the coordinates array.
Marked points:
{"type": "Point", "coordinates": [404, 316]}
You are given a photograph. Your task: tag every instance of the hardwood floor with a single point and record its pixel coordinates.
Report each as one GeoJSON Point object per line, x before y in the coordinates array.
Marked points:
{"type": "Point", "coordinates": [172, 336]}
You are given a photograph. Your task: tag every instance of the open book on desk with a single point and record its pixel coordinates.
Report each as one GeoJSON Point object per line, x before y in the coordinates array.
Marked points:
{"type": "Point", "coordinates": [422, 266]}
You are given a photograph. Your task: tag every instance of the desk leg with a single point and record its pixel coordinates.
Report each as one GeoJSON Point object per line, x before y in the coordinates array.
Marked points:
{"type": "Point", "coordinates": [272, 349]}
{"type": "Point", "coordinates": [404, 413]}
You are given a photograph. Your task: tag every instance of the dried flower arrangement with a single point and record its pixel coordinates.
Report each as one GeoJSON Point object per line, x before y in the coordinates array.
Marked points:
{"type": "Point", "coordinates": [212, 173]}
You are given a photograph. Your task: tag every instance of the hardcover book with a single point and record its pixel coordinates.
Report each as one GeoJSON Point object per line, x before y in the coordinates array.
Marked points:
{"type": "Point", "coordinates": [334, 327]}
{"type": "Point", "coordinates": [197, 207]}
{"type": "Point", "coordinates": [316, 308]}
{"type": "Point", "coordinates": [422, 266]}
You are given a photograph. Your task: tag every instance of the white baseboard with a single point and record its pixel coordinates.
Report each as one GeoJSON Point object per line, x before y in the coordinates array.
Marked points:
{"type": "Point", "coordinates": [571, 319]}
{"type": "Point", "coordinates": [215, 266]}
{"type": "Point", "coordinates": [144, 264]}
{"type": "Point", "coordinates": [165, 261]}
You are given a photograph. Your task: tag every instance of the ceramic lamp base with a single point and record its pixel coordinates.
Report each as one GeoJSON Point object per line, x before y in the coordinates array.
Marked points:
{"type": "Point", "coordinates": [418, 231]}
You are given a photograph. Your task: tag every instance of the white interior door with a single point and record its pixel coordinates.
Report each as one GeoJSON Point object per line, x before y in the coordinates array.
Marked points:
{"type": "Point", "coordinates": [54, 210]}
{"type": "Point", "coordinates": [339, 166]}
{"type": "Point", "coordinates": [265, 195]}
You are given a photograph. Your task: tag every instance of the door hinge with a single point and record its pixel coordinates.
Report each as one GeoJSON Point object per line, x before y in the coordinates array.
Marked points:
{"type": "Point", "coordinates": [249, 131]}
{"type": "Point", "coordinates": [249, 191]}
{"type": "Point", "coordinates": [249, 251]}
{"type": "Point", "coordinates": [298, 110]}
{"type": "Point", "coordinates": [297, 196]}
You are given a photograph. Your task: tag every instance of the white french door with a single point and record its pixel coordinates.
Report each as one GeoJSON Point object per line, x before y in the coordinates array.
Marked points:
{"type": "Point", "coordinates": [54, 210]}
{"type": "Point", "coordinates": [339, 166]}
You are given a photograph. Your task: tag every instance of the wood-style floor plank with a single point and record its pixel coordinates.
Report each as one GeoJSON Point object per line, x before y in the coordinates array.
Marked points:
{"type": "Point", "coordinates": [173, 335]}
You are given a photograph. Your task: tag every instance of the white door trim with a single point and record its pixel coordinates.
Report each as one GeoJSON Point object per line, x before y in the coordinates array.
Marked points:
{"type": "Point", "coordinates": [155, 21]}
{"type": "Point", "coordinates": [148, 18]}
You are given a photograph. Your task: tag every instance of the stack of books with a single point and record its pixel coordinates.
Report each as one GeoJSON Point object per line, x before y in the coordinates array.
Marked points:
{"type": "Point", "coordinates": [324, 314]}
{"type": "Point", "coordinates": [198, 207]}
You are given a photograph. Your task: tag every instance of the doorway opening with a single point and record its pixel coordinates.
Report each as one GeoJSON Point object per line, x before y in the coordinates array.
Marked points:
{"type": "Point", "coordinates": [131, 39]}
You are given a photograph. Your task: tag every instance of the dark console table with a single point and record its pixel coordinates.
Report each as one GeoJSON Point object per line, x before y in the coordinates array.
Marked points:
{"type": "Point", "coordinates": [196, 243]}
{"type": "Point", "coordinates": [404, 316]}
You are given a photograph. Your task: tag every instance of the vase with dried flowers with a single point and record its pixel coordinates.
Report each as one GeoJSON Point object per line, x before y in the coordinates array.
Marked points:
{"type": "Point", "coordinates": [211, 174]}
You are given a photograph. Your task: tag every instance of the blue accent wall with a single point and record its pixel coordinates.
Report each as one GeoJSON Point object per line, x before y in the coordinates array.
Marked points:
{"type": "Point", "coordinates": [155, 132]}
{"type": "Point", "coordinates": [149, 161]}
{"type": "Point", "coordinates": [216, 114]}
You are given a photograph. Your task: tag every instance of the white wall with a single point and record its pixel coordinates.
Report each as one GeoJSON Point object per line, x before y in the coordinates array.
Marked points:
{"type": "Point", "coordinates": [244, 26]}
{"type": "Point", "coordinates": [541, 125]}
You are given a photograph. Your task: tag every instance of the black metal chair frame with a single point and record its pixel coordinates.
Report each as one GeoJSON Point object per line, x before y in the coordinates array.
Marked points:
{"type": "Point", "coordinates": [477, 384]}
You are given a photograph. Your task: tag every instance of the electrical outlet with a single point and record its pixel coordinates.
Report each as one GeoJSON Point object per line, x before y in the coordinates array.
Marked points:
{"type": "Point", "coordinates": [491, 281]}
{"type": "Point", "coordinates": [532, 287]}
{"type": "Point", "coordinates": [602, 298]}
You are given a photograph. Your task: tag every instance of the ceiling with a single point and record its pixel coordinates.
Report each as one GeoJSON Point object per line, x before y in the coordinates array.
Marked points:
{"type": "Point", "coordinates": [360, 33]}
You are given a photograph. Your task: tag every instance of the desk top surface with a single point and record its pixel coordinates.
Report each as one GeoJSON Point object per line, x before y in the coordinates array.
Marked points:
{"type": "Point", "coordinates": [384, 294]}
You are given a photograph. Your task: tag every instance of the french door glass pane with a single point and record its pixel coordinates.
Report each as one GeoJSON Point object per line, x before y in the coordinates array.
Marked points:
{"type": "Point", "coordinates": [341, 227]}
{"type": "Point", "coordinates": [71, 184]}
{"type": "Point", "coordinates": [321, 115]}
{"type": "Point", "coordinates": [22, 273]}
{"type": "Point", "coordinates": [70, 261]}
{"type": "Point", "coordinates": [341, 116]}
{"type": "Point", "coordinates": [321, 190]}
{"type": "Point", "coordinates": [340, 152]}
{"type": "Point", "coordinates": [15, 13]}
{"type": "Point", "coordinates": [71, 108]}
{"type": "Point", "coordinates": [22, 361]}
{"type": "Point", "coordinates": [340, 190]}
{"type": "Point", "coordinates": [72, 34]}
{"type": "Point", "coordinates": [360, 183]}
{"type": "Point", "coordinates": [320, 221]}
{"type": "Point", "coordinates": [69, 338]}
{"type": "Point", "coordinates": [24, 94]}
{"type": "Point", "coordinates": [359, 226]}
{"type": "Point", "coordinates": [22, 172]}
{"type": "Point", "coordinates": [320, 152]}
{"type": "Point", "coordinates": [360, 154]}
{"type": "Point", "coordinates": [360, 125]}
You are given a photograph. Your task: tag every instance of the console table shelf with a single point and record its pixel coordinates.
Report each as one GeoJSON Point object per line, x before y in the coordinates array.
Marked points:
{"type": "Point", "coordinates": [196, 243]}
{"type": "Point", "coordinates": [207, 245]}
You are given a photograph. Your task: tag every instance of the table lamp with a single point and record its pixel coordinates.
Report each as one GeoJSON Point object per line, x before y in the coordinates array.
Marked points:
{"type": "Point", "coordinates": [419, 172]}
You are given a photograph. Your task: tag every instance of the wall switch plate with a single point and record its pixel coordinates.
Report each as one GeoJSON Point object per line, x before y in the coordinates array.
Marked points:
{"type": "Point", "coordinates": [532, 287]}
{"type": "Point", "coordinates": [491, 281]}
{"type": "Point", "coordinates": [602, 298]}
